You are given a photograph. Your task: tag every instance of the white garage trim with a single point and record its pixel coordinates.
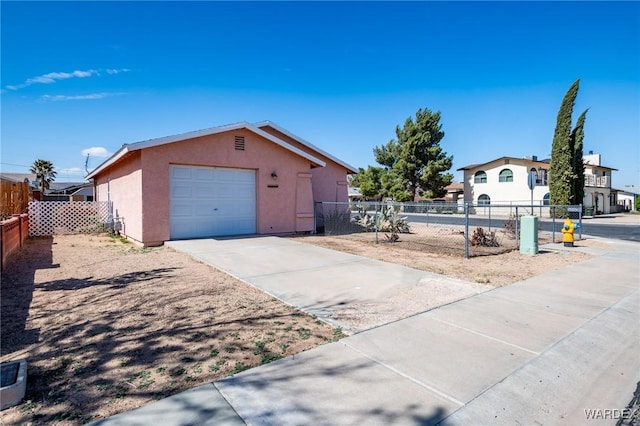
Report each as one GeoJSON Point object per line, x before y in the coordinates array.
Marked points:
{"type": "Point", "coordinates": [211, 201]}
{"type": "Point", "coordinates": [127, 148]}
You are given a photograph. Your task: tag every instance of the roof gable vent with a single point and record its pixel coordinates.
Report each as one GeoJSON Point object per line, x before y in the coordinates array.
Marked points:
{"type": "Point", "coordinates": [239, 143]}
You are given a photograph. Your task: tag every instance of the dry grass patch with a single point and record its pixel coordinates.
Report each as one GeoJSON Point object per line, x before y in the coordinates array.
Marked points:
{"type": "Point", "coordinates": [495, 270]}
{"type": "Point", "coordinates": [107, 327]}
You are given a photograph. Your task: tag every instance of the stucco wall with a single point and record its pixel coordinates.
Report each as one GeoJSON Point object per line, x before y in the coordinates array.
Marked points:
{"type": "Point", "coordinates": [518, 190]}
{"type": "Point", "coordinates": [330, 182]}
{"type": "Point", "coordinates": [500, 192]}
{"type": "Point", "coordinates": [122, 184]}
{"type": "Point", "coordinates": [140, 182]}
{"type": "Point", "coordinates": [276, 198]}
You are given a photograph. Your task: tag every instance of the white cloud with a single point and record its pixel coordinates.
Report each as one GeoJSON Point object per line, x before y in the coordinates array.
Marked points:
{"type": "Point", "coordinates": [70, 172]}
{"type": "Point", "coordinates": [57, 98]}
{"type": "Point", "coordinates": [95, 151]}
{"type": "Point", "coordinates": [52, 77]}
{"type": "Point", "coordinates": [117, 71]}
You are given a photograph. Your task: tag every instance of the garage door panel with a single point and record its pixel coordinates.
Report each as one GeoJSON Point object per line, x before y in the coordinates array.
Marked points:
{"type": "Point", "coordinates": [204, 190]}
{"type": "Point", "coordinates": [209, 201]}
{"type": "Point", "coordinates": [203, 174]}
{"type": "Point", "coordinates": [178, 210]}
{"type": "Point", "coordinates": [228, 175]}
{"type": "Point", "coordinates": [181, 191]}
{"type": "Point", "coordinates": [245, 178]}
{"type": "Point", "coordinates": [228, 208]}
{"type": "Point", "coordinates": [243, 226]}
{"type": "Point", "coordinates": [240, 192]}
{"type": "Point", "coordinates": [181, 172]}
{"type": "Point", "coordinates": [201, 212]}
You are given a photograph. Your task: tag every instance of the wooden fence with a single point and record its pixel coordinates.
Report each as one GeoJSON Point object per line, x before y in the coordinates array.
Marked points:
{"type": "Point", "coordinates": [13, 233]}
{"type": "Point", "coordinates": [14, 198]}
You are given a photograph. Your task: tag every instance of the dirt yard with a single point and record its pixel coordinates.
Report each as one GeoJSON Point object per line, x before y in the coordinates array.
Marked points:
{"type": "Point", "coordinates": [107, 326]}
{"type": "Point", "coordinates": [495, 270]}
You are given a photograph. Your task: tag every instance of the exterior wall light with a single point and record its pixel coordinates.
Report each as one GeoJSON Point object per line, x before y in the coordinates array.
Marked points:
{"type": "Point", "coordinates": [274, 175]}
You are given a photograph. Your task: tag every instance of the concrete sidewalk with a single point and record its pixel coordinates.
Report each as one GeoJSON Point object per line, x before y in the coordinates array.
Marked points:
{"type": "Point", "coordinates": [616, 218]}
{"type": "Point", "coordinates": [541, 351]}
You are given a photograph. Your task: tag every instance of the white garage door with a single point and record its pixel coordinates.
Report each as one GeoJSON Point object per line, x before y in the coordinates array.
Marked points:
{"type": "Point", "coordinates": [212, 201]}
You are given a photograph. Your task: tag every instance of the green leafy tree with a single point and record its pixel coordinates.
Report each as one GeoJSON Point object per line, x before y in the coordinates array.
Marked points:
{"type": "Point", "coordinates": [354, 180]}
{"type": "Point", "coordinates": [45, 173]}
{"type": "Point", "coordinates": [576, 146]}
{"type": "Point", "coordinates": [561, 167]}
{"type": "Point", "coordinates": [415, 161]}
{"type": "Point", "coordinates": [370, 182]}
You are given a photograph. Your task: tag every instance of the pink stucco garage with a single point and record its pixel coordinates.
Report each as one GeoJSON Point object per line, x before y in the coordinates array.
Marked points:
{"type": "Point", "coordinates": [229, 180]}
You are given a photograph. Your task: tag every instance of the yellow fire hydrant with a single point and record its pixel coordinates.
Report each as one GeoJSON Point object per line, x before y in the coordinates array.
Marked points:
{"type": "Point", "coordinates": [567, 232]}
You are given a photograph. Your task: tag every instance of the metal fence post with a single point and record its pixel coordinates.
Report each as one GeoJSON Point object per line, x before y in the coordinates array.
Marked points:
{"type": "Point", "coordinates": [553, 224]}
{"type": "Point", "coordinates": [517, 235]}
{"type": "Point", "coordinates": [426, 211]}
{"type": "Point", "coordinates": [580, 222]}
{"type": "Point", "coordinates": [315, 215]}
{"type": "Point", "coordinates": [489, 217]}
{"type": "Point", "coordinates": [466, 230]}
{"type": "Point", "coordinates": [375, 220]}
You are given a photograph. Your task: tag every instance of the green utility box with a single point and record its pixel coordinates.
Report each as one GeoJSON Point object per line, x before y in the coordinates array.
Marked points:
{"type": "Point", "coordinates": [529, 235]}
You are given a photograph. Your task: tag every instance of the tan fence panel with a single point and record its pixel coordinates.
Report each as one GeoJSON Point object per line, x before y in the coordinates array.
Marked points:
{"type": "Point", "coordinates": [13, 233]}
{"type": "Point", "coordinates": [14, 197]}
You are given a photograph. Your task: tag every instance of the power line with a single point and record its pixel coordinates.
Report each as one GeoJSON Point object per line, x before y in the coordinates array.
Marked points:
{"type": "Point", "coordinates": [16, 165]}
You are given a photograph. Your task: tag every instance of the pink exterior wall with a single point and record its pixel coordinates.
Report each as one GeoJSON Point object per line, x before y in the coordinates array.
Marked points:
{"type": "Point", "coordinates": [140, 182]}
{"type": "Point", "coordinates": [305, 217]}
{"type": "Point", "coordinates": [276, 199]}
{"type": "Point", "coordinates": [122, 184]}
{"type": "Point", "coordinates": [330, 182]}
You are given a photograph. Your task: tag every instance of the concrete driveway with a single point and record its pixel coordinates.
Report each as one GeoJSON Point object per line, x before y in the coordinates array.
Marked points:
{"type": "Point", "coordinates": [559, 348]}
{"type": "Point", "coordinates": [332, 285]}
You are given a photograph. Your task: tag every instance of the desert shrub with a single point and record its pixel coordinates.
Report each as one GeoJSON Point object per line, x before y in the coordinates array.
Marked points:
{"type": "Point", "coordinates": [337, 222]}
{"type": "Point", "coordinates": [388, 219]}
{"type": "Point", "coordinates": [510, 225]}
{"type": "Point", "coordinates": [484, 239]}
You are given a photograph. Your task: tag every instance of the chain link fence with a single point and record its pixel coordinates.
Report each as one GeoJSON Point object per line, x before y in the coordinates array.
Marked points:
{"type": "Point", "coordinates": [465, 230]}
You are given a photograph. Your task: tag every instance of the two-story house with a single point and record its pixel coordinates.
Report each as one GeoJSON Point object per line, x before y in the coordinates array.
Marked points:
{"type": "Point", "coordinates": [597, 185]}
{"type": "Point", "coordinates": [505, 181]}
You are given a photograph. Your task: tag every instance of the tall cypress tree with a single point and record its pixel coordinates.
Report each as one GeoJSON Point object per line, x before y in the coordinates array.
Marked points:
{"type": "Point", "coordinates": [561, 167]}
{"type": "Point", "coordinates": [577, 138]}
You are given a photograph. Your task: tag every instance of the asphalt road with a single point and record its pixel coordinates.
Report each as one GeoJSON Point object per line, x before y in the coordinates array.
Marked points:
{"type": "Point", "coordinates": [627, 232]}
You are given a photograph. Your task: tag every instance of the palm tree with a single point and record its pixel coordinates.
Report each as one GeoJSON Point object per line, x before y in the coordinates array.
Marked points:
{"type": "Point", "coordinates": [44, 172]}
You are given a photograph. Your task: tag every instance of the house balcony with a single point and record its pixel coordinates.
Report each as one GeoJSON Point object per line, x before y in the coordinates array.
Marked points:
{"type": "Point", "coordinates": [597, 181]}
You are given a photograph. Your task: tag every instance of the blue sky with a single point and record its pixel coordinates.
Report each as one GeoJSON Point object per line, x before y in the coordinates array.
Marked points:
{"type": "Point", "coordinates": [80, 77]}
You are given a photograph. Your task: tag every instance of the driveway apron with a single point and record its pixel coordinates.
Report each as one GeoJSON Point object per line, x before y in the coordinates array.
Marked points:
{"type": "Point", "coordinates": [319, 281]}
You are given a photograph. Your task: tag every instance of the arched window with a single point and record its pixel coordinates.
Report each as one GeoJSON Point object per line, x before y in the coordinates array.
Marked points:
{"type": "Point", "coordinates": [545, 199]}
{"type": "Point", "coordinates": [506, 175]}
{"type": "Point", "coordinates": [480, 177]}
{"type": "Point", "coordinates": [484, 200]}
{"type": "Point", "coordinates": [542, 177]}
